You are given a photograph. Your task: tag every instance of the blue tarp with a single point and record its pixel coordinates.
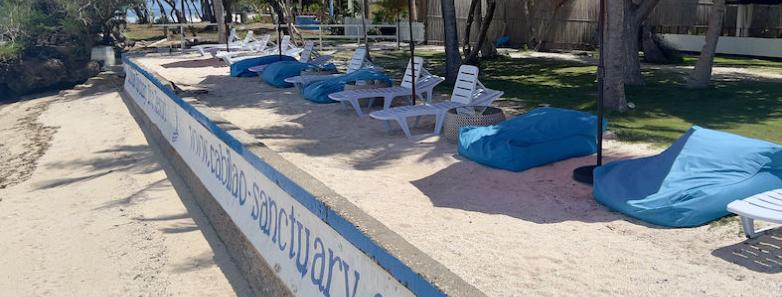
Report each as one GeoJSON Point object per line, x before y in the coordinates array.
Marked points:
{"type": "Point", "coordinates": [539, 137]}
{"type": "Point", "coordinates": [692, 182]}
{"type": "Point", "coordinates": [240, 68]}
{"type": "Point", "coordinates": [318, 92]}
{"type": "Point", "coordinates": [276, 73]}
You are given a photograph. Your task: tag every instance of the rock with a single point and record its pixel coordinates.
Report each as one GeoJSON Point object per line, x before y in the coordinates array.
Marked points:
{"type": "Point", "coordinates": [60, 67]}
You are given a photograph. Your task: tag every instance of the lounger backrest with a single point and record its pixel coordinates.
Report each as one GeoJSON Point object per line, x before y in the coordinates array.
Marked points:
{"type": "Point", "coordinates": [248, 38]}
{"type": "Point", "coordinates": [286, 43]}
{"type": "Point", "coordinates": [464, 89]}
{"type": "Point", "coordinates": [306, 54]}
{"type": "Point", "coordinates": [262, 43]}
{"type": "Point", "coordinates": [407, 80]}
{"type": "Point", "coordinates": [357, 61]}
{"type": "Point", "coordinates": [232, 38]}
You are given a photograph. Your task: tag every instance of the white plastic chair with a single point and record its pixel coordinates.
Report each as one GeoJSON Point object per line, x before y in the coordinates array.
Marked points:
{"type": "Point", "coordinates": [468, 91]}
{"type": "Point", "coordinates": [425, 84]}
{"type": "Point", "coordinates": [765, 206]}
{"type": "Point", "coordinates": [357, 61]}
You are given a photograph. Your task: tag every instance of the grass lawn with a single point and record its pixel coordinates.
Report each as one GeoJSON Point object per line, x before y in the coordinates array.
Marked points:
{"type": "Point", "coordinates": [664, 107]}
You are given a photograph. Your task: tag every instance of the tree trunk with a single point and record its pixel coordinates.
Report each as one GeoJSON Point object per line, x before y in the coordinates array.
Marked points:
{"type": "Point", "coordinates": [141, 13]}
{"type": "Point", "coordinates": [207, 14]}
{"type": "Point", "coordinates": [222, 35]}
{"type": "Point", "coordinates": [364, 19]}
{"type": "Point", "coordinates": [549, 26]}
{"type": "Point", "coordinates": [452, 58]}
{"type": "Point", "coordinates": [632, 59]}
{"type": "Point", "coordinates": [701, 76]}
{"type": "Point", "coordinates": [227, 8]}
{"type": "Point", "coordinates": [475, 6]}
{"type": "Point", "coordinates": [613, 41]}
{"type": "Point", "coordinates": [471, 57]}
{"type": "Point", "coordinates": [634, 16]}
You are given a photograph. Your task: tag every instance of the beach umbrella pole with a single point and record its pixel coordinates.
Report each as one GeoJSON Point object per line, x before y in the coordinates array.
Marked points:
{"type": "Point", "coordinates": [585, 174]}
{"type": "Point", "coordinates": [410, 4]}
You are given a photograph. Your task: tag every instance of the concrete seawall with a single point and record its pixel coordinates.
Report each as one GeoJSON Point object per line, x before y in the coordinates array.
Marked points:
{"type": "Point", "coordinates": [219, 162]}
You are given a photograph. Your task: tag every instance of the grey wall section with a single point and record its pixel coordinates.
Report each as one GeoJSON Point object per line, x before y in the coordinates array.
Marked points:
{"type": "Point", "coordinates": [260, 275]}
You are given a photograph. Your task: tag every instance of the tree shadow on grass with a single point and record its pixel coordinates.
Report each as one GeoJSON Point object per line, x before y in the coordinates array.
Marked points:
{"type": "Point", "coordinates": [761, 254]}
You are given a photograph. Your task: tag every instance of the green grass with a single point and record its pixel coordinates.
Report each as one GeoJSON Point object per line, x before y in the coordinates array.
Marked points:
{"type": "Point", "coordinates": [8, 51]}
{"type": "Point", "coordinates": [664, 107]}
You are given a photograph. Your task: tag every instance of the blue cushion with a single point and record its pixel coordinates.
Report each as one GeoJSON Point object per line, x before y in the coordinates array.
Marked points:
{"type": "Point", "coordinates": [692, 182]}
{"type": "Point", "coordinates": [276, 73]}
{"type": "Point", "coordinates": [539, 137]}
{"type": "Point", "coordinates": [319, 92]}
{"type": "Point", "coordinates": [240, 68]}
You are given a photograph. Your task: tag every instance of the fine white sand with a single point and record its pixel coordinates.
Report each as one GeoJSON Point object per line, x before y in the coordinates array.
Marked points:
{"type": "Point", "coordinates": [87, 209]}
{"type": "Point", "coordinates": [510, 234]}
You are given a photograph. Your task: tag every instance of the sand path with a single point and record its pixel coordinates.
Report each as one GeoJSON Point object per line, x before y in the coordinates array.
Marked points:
{"type": "Point", "coordinates": [88, 210]}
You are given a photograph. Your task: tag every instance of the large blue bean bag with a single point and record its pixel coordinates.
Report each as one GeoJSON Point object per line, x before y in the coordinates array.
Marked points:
{"type": "Point", "coordinates": [240, 68]}
{"type": "Point", "coordinates": [539, 137]}
{"type": "Point", "coordinates": [318, 92]}
{"type": "Point", "coordinates": [692, 182]}
{"type": "Point", "coordinates": [276, 73]}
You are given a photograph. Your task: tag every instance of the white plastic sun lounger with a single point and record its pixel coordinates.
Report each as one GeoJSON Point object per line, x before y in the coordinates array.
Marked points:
{"type": "Point", "coordinates": [260, 45]}
{"type": "Point", "coordinates": [233, 43]}
{"type": "Point", "coordinates": [468, 91]}
{"type": "Point", "coordinates": [765, 206]}
{"type": "Point", "coordinates": [308, 55]}
{"type": "Point", "coordinates": [259, 49]}
{"type": "Point", "coordinates": [357, 61]}
{"type": "Point", "coordinates": [425, 84]}
{"type": "Point", "coordinates": [288, 49]}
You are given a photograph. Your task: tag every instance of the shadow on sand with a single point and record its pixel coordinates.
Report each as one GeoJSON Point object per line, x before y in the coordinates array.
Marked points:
{"type": "Point", "coordinates": [761, 254]}
{"type": "Point", "coordinates": [200, 63]}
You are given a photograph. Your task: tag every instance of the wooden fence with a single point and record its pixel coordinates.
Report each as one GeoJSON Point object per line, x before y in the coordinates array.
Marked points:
{"type": "Point", "coordinates": [575, 25]}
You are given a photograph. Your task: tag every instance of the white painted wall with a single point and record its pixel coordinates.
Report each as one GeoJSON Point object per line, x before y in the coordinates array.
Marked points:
{"type": "Point", "coordinates": [747, 46]}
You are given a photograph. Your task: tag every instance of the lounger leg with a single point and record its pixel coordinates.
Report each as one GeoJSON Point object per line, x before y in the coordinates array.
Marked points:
{"type": "Point", "coordinates": [749, 227]}
{"type": "Point", "coordinates": [438, 123]}
{"type": "Point", "coordinates": [387, 100]}
{"type": "Point", "coordinates": [417, 119]}
{"type": "Point", "coordinates": [403, 124]}
{"type": "Point", "coordinates": [357, 107]}
{"type": "Point", "coordinates": [371, 102]}
{"type": "Point", "coordinates": [388, 127]}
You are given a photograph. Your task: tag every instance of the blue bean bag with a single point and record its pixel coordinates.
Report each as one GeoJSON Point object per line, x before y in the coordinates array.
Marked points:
{"type": "Point", "coordinates": [240, 68]}
{"type": "Point", "coordinates": [692, 182]}
{"type": "Point", "coordinates": [276, 73]}
{"type": "Point", "coordinates": [318, 92]}
{"type": "Point", "coordinates": [539, 137]}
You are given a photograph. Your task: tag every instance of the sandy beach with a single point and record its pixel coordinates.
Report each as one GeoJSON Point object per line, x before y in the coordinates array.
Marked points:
{"type": "Point", "coordinates": [89, 210]}
{"type": "Point", "coordinates": [510, 234]}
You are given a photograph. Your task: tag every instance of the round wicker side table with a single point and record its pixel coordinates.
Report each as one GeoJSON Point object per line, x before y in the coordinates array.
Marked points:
{"type": "Point", "coordinates": [470, 116]}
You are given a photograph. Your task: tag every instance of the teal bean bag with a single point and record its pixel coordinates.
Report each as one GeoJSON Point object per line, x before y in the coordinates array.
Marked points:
{"type": "Point", "coordinates": [692, 182]}
{"type": "Point", "coordinates": [275, 73]}
{"type": "Point", "coordinates": [539, 137]}
{"type": "Point", "coordinates": [319, 91]}
{"type": "Point", "coordinates": [241, 68]}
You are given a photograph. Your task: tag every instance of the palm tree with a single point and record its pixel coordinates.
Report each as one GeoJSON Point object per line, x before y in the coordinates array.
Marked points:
{"type": "Point", "coordinates": [613, 40]}
{"type": "Point", "coordinates": [452, 58]}
{"type": "Point", "coordinates": [701, 75]}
